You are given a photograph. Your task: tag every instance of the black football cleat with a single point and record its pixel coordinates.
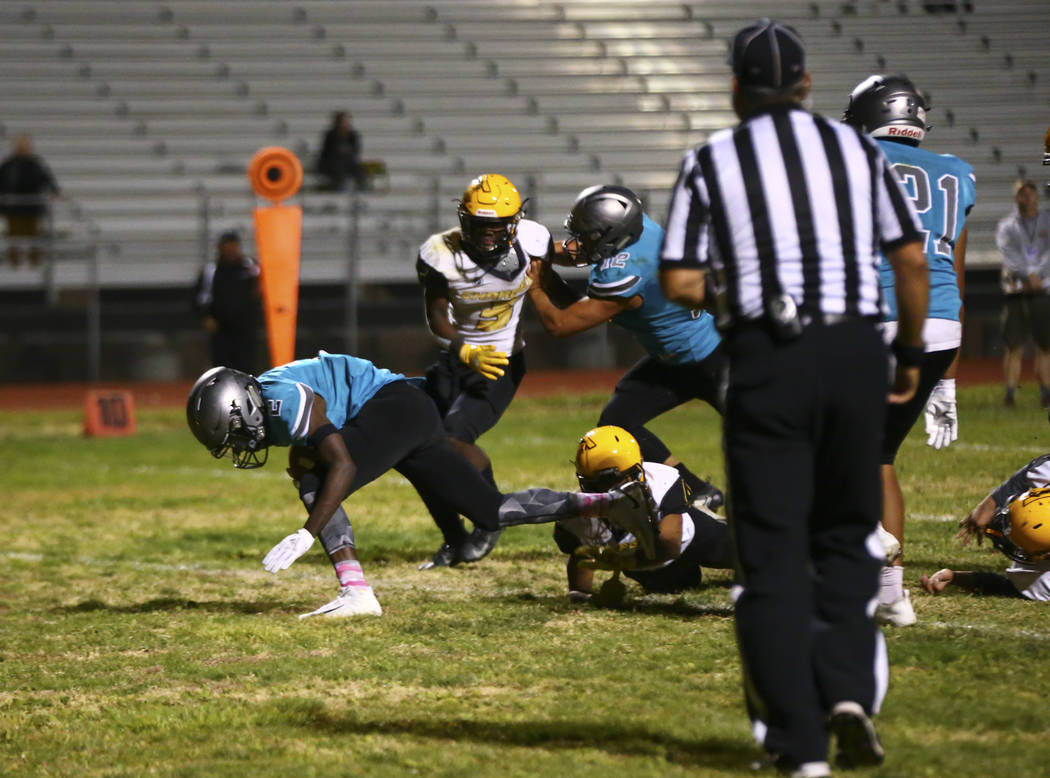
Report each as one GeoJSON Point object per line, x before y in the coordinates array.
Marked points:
{"type": "Point", "coordinates": [446, 556]}
{"type": "Point", "coordinates": [708, 496]}
{"type": "Point", "coordinates": [477, 546]}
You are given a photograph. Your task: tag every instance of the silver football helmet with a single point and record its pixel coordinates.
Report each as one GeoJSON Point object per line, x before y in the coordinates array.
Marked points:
{"type": "Point", "coordinates": [225, 412]}
{"type": "Point", "coordinates": [888, 107]}
{"type": "Point", "coordinates": [603, 221]}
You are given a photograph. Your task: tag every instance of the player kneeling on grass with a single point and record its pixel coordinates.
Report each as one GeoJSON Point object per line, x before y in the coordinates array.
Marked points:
{"type": "Point", "coordinates": [358, 421]}
{"type": "Point", "coordinates": [686, 537]}
{"type": "Point", "coordinates": [1016, 518]}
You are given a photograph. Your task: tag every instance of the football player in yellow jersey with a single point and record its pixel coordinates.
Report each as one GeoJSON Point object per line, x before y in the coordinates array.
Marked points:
{"type": "Point", "coordinates": [474, 284]}
{"type": "Point", "coordinates": [1015, 517]}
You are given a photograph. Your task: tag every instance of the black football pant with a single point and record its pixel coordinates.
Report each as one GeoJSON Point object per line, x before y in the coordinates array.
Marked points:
{"type": "Point", "coordinates": [399, 429]}
{"type": "Point", "coordinates": [651, 388]}
{"type": "Point", "coordinates": [901, 418]}
{"type": "Point", "coordinates": [469, 405]}
{"type": "Point", "coordinates": [803, 425]}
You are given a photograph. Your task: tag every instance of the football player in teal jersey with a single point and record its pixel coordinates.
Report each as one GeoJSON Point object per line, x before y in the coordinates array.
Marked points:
{"type": "Point", "coordinates": [610, 232]}
{"type": "Point", "coordinates": [348, 422]}
{"type": "Point", "coordinates": [943, 189]}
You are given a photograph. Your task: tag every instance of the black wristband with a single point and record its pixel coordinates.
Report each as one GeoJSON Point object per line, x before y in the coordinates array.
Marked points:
{"type": "Point", "coordinates": [321, 433]}
{"type": "Point", "coordinates": [907, 356]}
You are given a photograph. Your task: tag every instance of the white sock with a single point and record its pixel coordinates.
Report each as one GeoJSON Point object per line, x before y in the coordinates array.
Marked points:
{"type": "Point", "coordinates": [349, 573]}
{"type": "Point", "coordinates": [891, 584]}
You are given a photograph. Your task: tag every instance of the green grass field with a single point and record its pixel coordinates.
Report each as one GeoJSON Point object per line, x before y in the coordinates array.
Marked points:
{"type": "Point", "coordinates": [139, 634]}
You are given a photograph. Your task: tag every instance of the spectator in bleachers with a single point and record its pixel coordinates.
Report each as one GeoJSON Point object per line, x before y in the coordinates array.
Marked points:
{"type": "Point", "coordinates": [227, 298]}
{"type": "Point", "coordinates": [1023, 239]}
{"type": "Point", "coordinates": [340, 156]}
{"type": "Point", "coordinates": [25, 184]}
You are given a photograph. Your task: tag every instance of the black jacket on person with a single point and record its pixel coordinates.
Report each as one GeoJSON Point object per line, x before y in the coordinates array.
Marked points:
{"type": "Point", "coordinates": [230, 294]}
{"type": "Point", "coordinates": [23, 176]}
{"type": "Point", "coordinates": [339, 153]}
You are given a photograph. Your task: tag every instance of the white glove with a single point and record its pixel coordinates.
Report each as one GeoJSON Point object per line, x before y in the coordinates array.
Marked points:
{"type": "Point", "coordinates": [942, 420]}
{"type": "Point", "coordinates": [287, 551]}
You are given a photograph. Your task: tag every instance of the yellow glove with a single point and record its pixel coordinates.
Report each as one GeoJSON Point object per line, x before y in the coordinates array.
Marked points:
{"type": "Point", "coordinates": [623, 557]}
{"type": "Point", "coordinates": [484, 360]}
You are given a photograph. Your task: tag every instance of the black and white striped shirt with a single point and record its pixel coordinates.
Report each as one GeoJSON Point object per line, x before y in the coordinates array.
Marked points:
{"type": "Point", "coordinates": [788, 203]}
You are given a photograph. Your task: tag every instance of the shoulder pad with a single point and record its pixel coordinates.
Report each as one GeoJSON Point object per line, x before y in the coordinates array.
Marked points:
{"type": "Point", "coordinates": [438, 251]}
{"type": "Point", "coordinates": [534, 238]}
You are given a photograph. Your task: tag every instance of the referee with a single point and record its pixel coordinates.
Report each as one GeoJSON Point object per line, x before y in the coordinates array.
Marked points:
{"type": "Point", "coordinates": [777, 225]}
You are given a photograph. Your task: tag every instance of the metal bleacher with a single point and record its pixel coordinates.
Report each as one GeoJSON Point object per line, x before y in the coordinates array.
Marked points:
{"type": "Point", "coordinates": [149, 111]}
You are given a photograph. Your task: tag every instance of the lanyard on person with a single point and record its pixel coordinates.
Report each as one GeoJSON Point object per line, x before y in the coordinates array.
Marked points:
{"type": "Point", "coordinates": [1031, 249]}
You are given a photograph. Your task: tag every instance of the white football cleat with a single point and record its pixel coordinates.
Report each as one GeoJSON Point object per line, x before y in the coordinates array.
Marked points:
{"type": "Point", "coordinates": [352, 601]}
{"type": "Point", "coordinates": [899, 613]}
{"type": "Point", "coordinates": [632, 509]}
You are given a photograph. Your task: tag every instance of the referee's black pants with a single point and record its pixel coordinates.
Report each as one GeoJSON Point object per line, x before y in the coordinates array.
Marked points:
{"type": "Point", "coordinates": [803, 425]}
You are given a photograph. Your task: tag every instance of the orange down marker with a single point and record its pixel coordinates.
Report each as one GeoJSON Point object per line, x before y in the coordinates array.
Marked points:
{"type": "Point", "coordinates": [109, 413]}
{"type": "Point", "coordinates": [275, 175]}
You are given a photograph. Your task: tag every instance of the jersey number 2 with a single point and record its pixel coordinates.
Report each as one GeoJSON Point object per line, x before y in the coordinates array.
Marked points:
{"type": "Point", "coordinates": [495, 317]}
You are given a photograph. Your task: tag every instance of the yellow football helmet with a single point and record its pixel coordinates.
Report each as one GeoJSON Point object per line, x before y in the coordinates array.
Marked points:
{"type": "Point", "coordinates": [607, 456]}
{"type": "Point", "coordinates": [1030, 522]}
{"type": "Point", "coordinates": [489, 212]}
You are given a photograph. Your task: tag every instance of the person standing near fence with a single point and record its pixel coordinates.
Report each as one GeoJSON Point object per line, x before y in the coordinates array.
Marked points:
{"type": "Point", "coordinates": [227, 297]}
{"type": "Point", "coordinates": [778, 222]}
{"type": "Point", "coordinates": [1023, 239]}
{"type": "Point", "coordinates": [25, 183]}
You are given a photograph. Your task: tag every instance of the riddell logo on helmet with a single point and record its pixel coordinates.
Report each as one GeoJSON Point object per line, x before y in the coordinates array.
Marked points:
{"type": "Point", "coordinates": [905, 132]}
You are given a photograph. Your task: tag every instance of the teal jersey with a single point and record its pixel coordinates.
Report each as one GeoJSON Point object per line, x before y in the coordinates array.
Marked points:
{"type": "Point", "coordinates": [346, 383]}
{"type": "Point", "coordinates": [943, 189]}
{"type": "Point", "coordinates": [668, 332]}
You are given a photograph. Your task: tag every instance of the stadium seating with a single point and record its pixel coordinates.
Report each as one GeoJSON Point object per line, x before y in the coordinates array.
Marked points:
{"type": "Point", "coordinates": [148, 111]}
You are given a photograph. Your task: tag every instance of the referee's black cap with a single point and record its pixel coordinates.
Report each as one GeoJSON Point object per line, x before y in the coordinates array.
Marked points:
{"type": "Point", "coordinates": [769, 55]}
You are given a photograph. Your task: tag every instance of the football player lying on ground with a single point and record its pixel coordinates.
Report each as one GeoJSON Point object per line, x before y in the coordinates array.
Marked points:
{"type": "Point", "coordinates": [609, 231]}
{"type": "Point", "coordinates": [359, 422]}
{"type": "Point", "coordinates": [474, 286]}
{"type": "Point", "coordinates": [1016, 518]}
{"type": "Point", "coordinates": [688, 537]}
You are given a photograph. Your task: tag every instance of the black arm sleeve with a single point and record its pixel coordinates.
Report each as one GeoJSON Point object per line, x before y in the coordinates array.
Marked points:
{"type": "Point", "coordinates": [558, 289]}
{"type": "Point", "coordinates": [676, 499]}
{"type": "Point", "coordinates": [994, 584]}
{"type": "Point", "coordinates": [431, 279]}
{"type": "Point", "coordinates": [1017, 483]}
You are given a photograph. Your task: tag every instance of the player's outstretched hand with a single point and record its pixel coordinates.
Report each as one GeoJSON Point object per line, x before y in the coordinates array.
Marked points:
{"type": "Point", "coordinates": [936, 583]}
{"type": "Point", "coordinates": [484, 360]}
{"type": "Point", "coordinates": [287, 551]}
{"type": "Point", "coordinates": [942, 418]}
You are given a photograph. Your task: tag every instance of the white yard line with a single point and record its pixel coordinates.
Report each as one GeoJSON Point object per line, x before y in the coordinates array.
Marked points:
{"type": "Point", "coordinates": [260, 574]}
{"type": "Point", "coordinates": [991, 629]}
{"type": "Point", "coordinates": [932, 517]}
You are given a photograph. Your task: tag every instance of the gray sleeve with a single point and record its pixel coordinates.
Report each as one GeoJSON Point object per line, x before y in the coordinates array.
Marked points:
{"type": "Point", "coordinates": [1034, 475]}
